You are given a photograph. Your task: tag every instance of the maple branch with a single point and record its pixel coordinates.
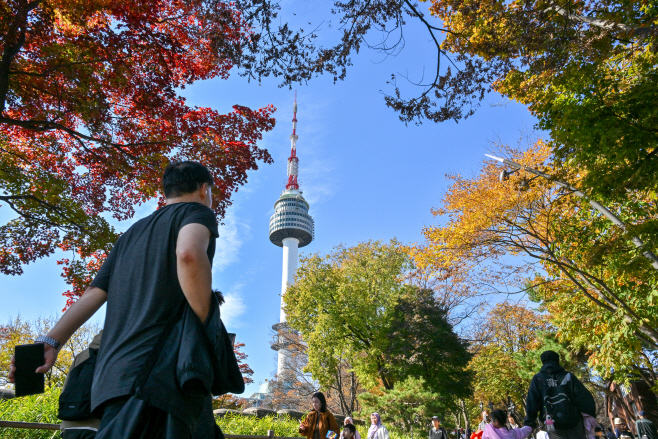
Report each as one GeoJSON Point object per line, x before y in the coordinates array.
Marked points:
{"type": "Point", "coordinates": [436, 42]}
{"type": "Point", "coordinates": [641, 31]}
{"type": "Point", "coordinates": [46, 125]}
{"type": "Point", "coordinates": [8, 198]}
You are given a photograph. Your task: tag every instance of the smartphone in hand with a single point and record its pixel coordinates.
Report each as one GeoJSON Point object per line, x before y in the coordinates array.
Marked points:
{"type": "Point", "coordinates": [29, 357]}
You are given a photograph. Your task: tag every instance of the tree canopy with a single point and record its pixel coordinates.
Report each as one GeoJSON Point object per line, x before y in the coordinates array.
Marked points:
{"type": "Point", "coordinates": [91, 112]}
{"type": "Point", "coordinates": [354, 306]}
{"type": "Point", "coordinates": [526, 235]}
{"type": "Point", "coordinates": [509, 331]}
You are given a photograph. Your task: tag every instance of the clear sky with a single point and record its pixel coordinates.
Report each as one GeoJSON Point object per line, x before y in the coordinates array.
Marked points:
{"type": "Point", "coordinates": [365, 174]}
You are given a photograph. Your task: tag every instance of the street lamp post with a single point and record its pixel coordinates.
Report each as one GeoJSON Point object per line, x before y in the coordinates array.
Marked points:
{"type": "Point", "coordinates": [604, 211]}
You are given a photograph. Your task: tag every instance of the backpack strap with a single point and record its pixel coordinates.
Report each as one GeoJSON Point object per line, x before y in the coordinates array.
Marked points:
{"type": "Point", "coordinates": [144, 374]}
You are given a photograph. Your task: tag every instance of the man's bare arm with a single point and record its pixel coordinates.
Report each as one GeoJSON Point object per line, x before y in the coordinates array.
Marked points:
{"type": "Point", "coordinates": [76, 316]}
{"type": "Point", "coordinates": [193, 266]}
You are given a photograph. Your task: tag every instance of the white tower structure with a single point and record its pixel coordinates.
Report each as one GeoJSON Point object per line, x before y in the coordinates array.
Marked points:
{"type": "Point", "coordinates": [291, 227]}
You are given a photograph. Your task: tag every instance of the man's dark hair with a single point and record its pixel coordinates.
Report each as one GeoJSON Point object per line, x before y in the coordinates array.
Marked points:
{"type": "Point", "coordinates": [323, 401]}
{"type": "Point", "coordinates": [597, 429]}
{"type": "Point", "coordinates": [549, 357]}
{"type": "Point", "coordinates": [350, 427]}
{"type": "Point", "coordinates": [182, 178]}
{"type": "Point", "coordinates": [500, 416]}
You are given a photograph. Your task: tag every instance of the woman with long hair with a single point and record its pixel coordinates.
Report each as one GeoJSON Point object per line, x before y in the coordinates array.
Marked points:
{"type": "Point", "coordinates": [377, 429]}
{"type": "Point", "coordinates": [319, 421]}
{"type": "Point", "coordinates": [499, 430]}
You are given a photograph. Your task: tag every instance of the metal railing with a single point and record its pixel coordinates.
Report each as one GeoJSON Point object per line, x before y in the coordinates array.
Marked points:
{"type": "Point", "coordinates": [30, 425]}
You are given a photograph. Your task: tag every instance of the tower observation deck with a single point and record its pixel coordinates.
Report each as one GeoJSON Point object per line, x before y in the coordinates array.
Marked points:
{"type": "Point", "coordinates": [291, 219]}
{"type": "Point", "coordinates": [291, 227]}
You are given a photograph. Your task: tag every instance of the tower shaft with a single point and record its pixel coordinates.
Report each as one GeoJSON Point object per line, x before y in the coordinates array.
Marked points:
{"type": "Point", "coordinates": [290, 257]}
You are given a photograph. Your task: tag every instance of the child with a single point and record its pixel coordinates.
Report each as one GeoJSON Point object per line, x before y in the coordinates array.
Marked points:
{"type": "Point", "coordinates": [498, 430]}
{"type": "Point", "coordinates": [349, 430]}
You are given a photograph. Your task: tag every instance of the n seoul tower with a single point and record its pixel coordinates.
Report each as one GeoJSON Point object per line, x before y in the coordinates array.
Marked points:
{"type": "Point", "coordinates": [291, 227]}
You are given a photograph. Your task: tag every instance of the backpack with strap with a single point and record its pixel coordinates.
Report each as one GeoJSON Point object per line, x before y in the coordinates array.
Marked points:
{"type": "Point", "coordinates": [558, 401]}
{"type": "Point", "coordinates": [75, 399]}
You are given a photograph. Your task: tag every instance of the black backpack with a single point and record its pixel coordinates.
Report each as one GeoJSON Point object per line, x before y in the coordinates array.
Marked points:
{"type": "Point", "coordinates": [558, 401]}
{"type": "Point", "coordinates": [75, 399]}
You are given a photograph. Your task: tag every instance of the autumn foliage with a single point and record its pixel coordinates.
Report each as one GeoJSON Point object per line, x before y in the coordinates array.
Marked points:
{"type": "Point", "coordinates": [525, 235]}
{"type": "Point", "coordinates": [90, 113]}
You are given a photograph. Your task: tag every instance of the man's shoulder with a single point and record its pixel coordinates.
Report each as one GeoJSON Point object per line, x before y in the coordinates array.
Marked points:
{"type": "Point", "coordinates": [172, 212]}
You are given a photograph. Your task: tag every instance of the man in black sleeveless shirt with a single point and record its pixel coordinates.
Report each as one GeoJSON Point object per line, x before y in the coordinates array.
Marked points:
{"type": "Point", "coordinates": [157, 265]}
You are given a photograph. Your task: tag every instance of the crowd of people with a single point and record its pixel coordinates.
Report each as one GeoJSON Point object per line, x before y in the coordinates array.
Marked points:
{"type": "Point", "coordinates": [558, 406]}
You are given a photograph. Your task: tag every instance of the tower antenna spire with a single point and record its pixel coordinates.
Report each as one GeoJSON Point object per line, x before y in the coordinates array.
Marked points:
{"type": "Point", "coordinates": [293, 161]}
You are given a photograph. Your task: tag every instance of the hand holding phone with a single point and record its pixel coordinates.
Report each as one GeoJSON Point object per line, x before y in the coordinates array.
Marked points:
{"type": "Point", "coordinates": [50, 357]}
{"type": "Point", "coordinates": [28, 358]}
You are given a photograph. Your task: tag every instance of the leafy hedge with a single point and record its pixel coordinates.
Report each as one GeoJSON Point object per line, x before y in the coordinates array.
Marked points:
{"type": "Point", "coordinates": [36, 408]}
{"type": "Point", "coordinates": [234, 423]}
{"type": "Point", "coordinates": [43, 408]}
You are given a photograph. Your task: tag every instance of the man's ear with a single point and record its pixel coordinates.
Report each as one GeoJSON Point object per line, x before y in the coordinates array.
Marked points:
{"type": "Point", "coordinates": [203, 191]}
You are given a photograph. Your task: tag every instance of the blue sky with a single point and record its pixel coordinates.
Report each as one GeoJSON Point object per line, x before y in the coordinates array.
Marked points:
{"type": "Point", "coordinates": [365, 174]}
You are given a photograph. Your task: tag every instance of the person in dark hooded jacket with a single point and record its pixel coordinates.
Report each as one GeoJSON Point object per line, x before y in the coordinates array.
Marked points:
{"type": "Point", "coordinates": [547, 397]}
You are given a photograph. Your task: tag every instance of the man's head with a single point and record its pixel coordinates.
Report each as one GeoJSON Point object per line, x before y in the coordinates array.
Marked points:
{"type": "Point", "coordinates": [348, 431]}
{"type": "Point", "coordinates": [187, 181]}
{"type": "Point", "coordinates": [641, 414]}
{"type": "Point", "coordinates": [436, 422]}
{"type": "Point", "coordinates": [598, 431]}
{"type": "Point", "coordinates": [550, 357]}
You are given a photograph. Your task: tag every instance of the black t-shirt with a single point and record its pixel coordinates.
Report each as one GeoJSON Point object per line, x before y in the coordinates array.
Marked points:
{"type": "Point", "coordinates": [143, 292]}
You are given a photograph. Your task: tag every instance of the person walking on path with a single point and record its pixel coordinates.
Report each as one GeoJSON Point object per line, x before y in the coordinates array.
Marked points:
{"type": "Point", "coordinates": [546, 399]}
{"type": "Point", "coordinates": [377, 429]}
{"type": "Point", "coordinates": [319, 421]}
{"type": "Point", "coordinates": [349, 421]}
{"type": "Point", "coordinates": [161, 265]}
{"type": "Point", "coordinates": [645, 427]}
{"type": "Point", "coordinates": [541, 434]}
{"type": "Point", "coordinates": [498, 429]}
{"type": "Point", "coordinates": [621, 429]}
{"type": "Point", "coordinates": [349, 432]}
{"type": "Point", "coordinates": [437, 432]}
{"type": "Point", "coordinates": [485, 420]}
{"type": "Point", "coordinates": [590, 423]}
